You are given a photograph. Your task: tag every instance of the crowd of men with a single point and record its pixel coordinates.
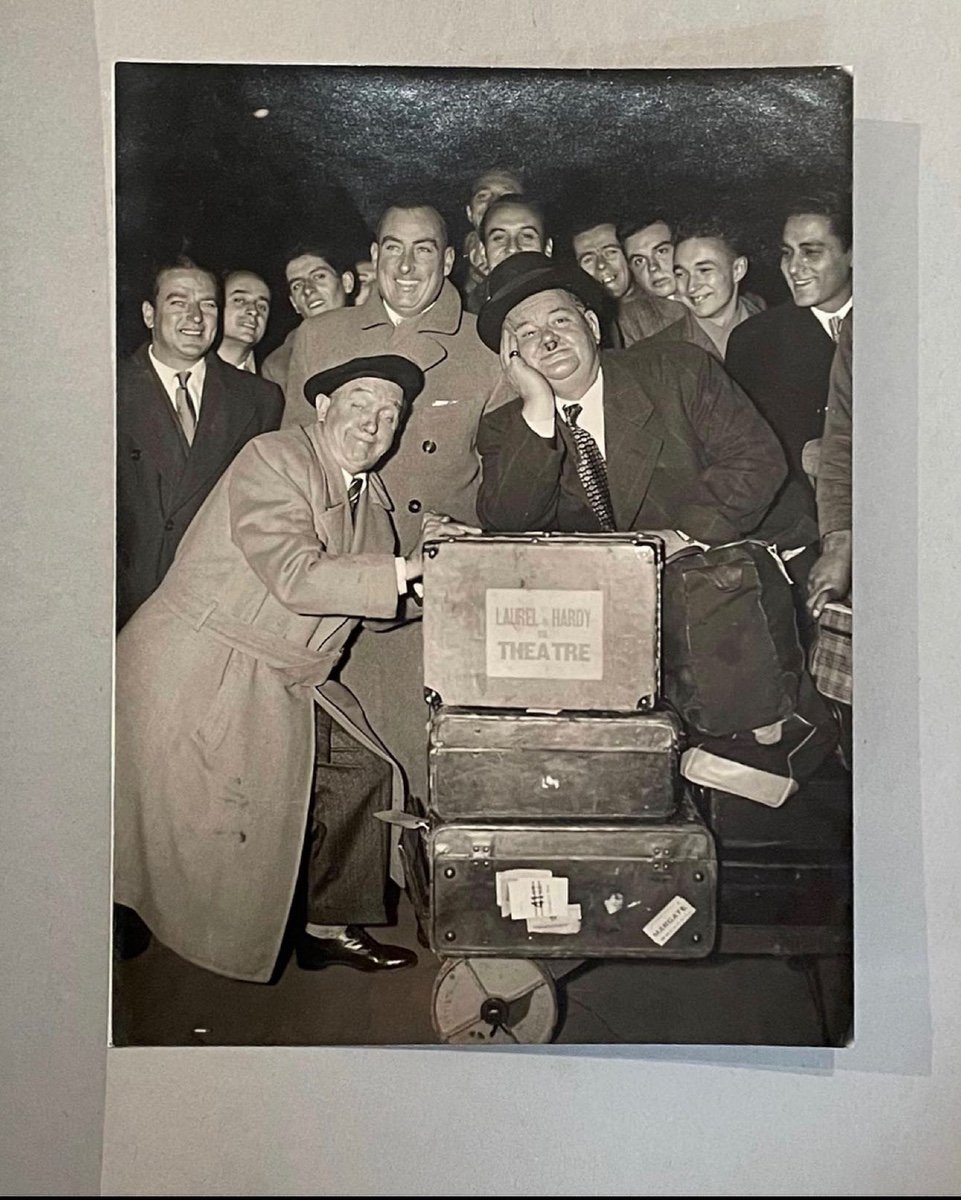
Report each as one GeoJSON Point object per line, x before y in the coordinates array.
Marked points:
{"type": "Point", "coordinates": [269, 665]}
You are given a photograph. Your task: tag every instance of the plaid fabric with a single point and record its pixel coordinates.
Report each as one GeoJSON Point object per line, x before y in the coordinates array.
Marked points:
{"type": "Point", "coordinates": [831, 658]}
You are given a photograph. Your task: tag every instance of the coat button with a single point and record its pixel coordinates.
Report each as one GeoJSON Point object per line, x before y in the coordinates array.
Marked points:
{"type": "Point", "coordinates": [414, 506]}
{"type": "Point", "coordinates": [429, 447]}
{"type": "Point", "coordinates": [168, 525]}
{"type": "Point", "coordinates": [135, 455]}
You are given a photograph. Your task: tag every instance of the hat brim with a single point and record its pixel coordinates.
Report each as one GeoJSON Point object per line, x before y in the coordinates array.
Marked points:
{"type": "Point", "coordinates": [393, 367]}
{"type": "Point", "coordinates": [567, 278]}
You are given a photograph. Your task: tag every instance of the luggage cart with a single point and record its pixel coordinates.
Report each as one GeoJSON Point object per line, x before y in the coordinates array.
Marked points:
{"type": "Point", "coordinates": [783, 887]}
{"type": "Point", "coordinates": [498, 620]}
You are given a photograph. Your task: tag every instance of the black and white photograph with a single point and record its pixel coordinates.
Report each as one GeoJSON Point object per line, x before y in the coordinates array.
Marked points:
{"type": "Point", "coordinates": [483, 669]}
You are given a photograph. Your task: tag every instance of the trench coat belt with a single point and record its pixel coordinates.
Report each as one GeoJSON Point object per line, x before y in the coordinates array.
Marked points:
{"type": "Point", "coordinates": [295, 664]}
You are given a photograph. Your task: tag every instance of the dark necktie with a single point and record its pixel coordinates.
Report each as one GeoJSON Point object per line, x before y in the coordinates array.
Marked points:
{"type": "Point", "coordinates": [185, 407]}
{"type": "Point", "coordinates": [835, 323]}
{"type": "Point", "coordinates": [591, 469]}
{"type": "Point", "coordinates": [353, 494]}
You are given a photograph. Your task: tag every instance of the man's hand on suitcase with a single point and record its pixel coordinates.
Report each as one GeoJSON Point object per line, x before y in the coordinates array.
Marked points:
{"type": "Point", "coordinates": [434, 525]}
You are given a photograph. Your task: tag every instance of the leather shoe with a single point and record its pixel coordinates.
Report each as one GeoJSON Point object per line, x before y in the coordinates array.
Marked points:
{"type": "Point", "coordinates": [352, 948]}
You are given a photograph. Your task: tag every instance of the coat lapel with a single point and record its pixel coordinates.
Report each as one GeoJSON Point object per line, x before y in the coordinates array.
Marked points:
{"type": "Point", "coordinates": [634, 436]}
{"type": "Point", "coordinates": [417, 340]}
{"type": "Point", "coordinates": [224, 415]}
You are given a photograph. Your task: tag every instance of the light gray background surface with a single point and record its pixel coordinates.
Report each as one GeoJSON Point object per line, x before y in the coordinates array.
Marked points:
{"type": "Point", "coordinates": [879, 1118]}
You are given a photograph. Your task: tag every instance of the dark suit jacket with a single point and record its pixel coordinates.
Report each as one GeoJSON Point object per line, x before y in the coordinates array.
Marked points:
{"type": "Point", "coordinates": [834, 471]}
{"type": "Point", "coordinates": [782, 358]}
{"type": "Point", "coordinates": [685, 450]}
{"type": "Point", "coordinates": [161, 481]}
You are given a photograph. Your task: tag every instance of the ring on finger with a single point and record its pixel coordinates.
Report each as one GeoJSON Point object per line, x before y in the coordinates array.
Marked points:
{"type": "Point", "coordinates": [514, 354]}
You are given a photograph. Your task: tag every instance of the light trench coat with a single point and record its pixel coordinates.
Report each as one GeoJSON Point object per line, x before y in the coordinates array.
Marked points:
{"type": "Point", "coordinates": [217, 676]}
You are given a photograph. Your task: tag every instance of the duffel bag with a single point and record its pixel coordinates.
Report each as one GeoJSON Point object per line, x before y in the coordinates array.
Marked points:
{"type": "Point", "coordinates": [732, 658]}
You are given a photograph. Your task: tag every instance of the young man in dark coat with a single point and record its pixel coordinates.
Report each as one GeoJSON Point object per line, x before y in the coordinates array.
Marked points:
{"type": "Point", "coordinates": [182, 415]}
{"type": "Point", "coordinates": [782, 358]}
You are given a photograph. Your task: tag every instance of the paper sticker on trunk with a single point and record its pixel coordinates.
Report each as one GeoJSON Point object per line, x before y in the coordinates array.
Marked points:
{"type": "Point", "coordinates": [663, 926]}
{"type": "Point", "coordinates": [543, 633]}
{"type": "Point", "coordinates": [537, 898]}
{"type": "Point", "coordinates": [569, 922]}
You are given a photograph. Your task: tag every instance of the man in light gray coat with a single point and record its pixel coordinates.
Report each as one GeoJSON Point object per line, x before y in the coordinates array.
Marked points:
{"type": "Point", "coordinates": [234, 738]}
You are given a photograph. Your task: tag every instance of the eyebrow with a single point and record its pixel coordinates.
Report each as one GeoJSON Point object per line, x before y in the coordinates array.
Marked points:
{"type": "Point", "coordinates": [421, 241]}
{"type": "Point", "coordinates": [180, 294]}
{"type": "Point", "coordinates": [521, 228]}
{"type": "Point", "coordinates": [809, 244]}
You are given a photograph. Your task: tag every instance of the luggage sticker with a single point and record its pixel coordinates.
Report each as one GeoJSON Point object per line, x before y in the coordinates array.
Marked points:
{"type": "Point", "coordinates": [544, 633]}
{"type": "Point", "coordinates": [663, 925]}
{"type": "Point", "coordinates": [538, 897]}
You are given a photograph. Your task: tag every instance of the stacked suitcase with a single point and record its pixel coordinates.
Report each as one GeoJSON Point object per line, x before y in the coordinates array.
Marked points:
{"type": "Point", "coordinates": [556, 824]}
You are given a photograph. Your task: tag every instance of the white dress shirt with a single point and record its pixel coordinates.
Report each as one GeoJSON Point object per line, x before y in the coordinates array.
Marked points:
{"type": "Point", "coordinates": [825, 317]}
{"type": "Point", "coordinates": [591, 415]}
{"type": "Point", "coordinates": [168, 377]}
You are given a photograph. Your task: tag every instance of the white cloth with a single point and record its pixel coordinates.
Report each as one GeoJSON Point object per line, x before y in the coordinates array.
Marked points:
{"type": "Point", "coordinates": [168, 377]}
{"type": "Point", "coordinates": [825, 317]}
{"type": "Point", "coordinates": [591, 415]}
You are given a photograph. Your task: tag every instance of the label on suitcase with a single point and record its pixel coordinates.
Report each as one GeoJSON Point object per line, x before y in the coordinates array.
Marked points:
{"type": "Point", "coordinates": [509, 765]}
{"type": "Point", "coordinates": [543, 621]}
{"type": "Point", "coordinates": [552, 890]}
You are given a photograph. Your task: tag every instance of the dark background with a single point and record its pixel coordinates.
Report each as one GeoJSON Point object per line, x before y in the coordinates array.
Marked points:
{"type": "Point", "coordinates": [197, 173]}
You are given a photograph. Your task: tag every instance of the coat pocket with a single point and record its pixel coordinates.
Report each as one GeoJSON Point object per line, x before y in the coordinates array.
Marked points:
{"type": "Point", "coordinates": [213, 725]}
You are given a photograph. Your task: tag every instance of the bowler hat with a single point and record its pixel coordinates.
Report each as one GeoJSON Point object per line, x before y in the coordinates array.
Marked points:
{"type": "Point", "coordinates": [407, 375]}
{"type": "Point", "coordinates": [526, 274]}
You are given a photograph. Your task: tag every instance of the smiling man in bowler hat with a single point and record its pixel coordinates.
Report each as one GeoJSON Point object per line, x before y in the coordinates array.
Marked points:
{"type": "Point", "coordinates": [675, 446]}
{"type": "Point", "coordinates": [235, 739]}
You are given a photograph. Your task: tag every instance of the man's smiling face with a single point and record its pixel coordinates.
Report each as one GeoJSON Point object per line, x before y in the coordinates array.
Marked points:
{"type": "Point", "coordinates": [183, 317]}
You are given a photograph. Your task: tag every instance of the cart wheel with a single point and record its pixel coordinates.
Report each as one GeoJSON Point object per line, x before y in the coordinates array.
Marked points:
{"type": "Point", "coordinates": [499, 1000]}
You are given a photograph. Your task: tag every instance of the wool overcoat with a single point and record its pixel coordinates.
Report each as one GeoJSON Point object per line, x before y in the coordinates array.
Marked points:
{"type": "Point", "coordinates": [217, 676]}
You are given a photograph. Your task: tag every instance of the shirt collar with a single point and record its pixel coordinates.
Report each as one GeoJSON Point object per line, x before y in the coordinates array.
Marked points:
{"type": "Point", "coordinates": [825, 317]}
{"type": "Point", "coordinates": [168, 375]}
{"type": "Point", "coordinates": [395, 317]}
{"type": "Point", "coordinates": [444, 315]}
{"type": "Point", "coordinates": [349, 479]}
{"type": "Point", "coordinates": [592, 400]}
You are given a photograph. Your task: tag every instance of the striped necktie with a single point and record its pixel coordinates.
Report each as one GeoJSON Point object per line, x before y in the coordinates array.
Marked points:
{"type": "Point", "coordinates": [353, 493]}
{"type": "Point", "coordinates": [591, 469]}
{"type": "Point", "coordinates": [835, 323]}
{"type": "Point", "coordinates": [185, 407]}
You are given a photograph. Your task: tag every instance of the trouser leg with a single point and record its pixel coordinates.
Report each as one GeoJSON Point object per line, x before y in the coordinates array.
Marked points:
{"type": "Point", "coordinates": [347, 857]}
